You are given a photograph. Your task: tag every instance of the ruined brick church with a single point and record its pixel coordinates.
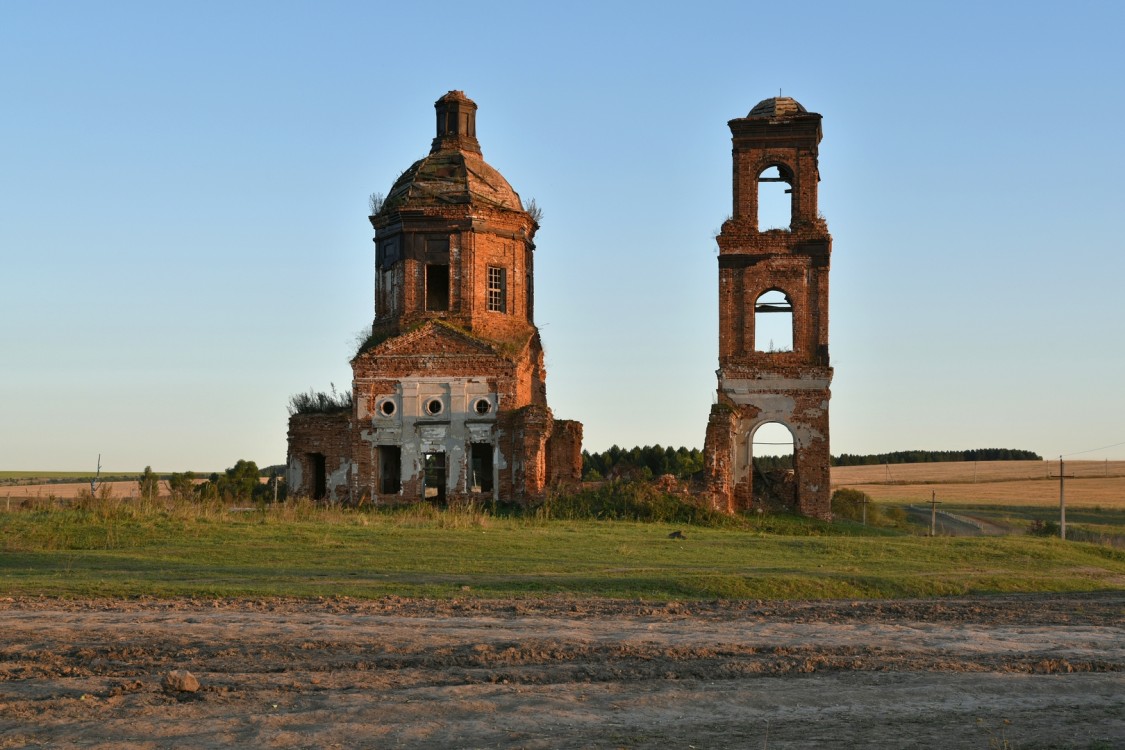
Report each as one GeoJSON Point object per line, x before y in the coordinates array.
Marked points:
{"type": "Point", "coordinates": [449, 392]}
{"type": "Point", "coordinates": [449, 398]}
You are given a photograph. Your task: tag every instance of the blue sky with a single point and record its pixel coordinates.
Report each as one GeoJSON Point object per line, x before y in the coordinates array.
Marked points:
{"type": "Point", "coordinates": [183, 200]}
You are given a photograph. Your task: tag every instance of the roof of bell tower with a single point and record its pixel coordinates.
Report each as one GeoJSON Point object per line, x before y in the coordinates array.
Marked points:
{"type": "Point", "coordinates": [777, 107]}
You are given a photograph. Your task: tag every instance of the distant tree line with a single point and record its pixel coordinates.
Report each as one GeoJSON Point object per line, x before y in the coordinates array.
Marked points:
{"type": "Point", "coordinates": [773, 463]}
{"type": "Point", "coordinates": [922, 457]}
{"type": "Point", "coordinates": [641, 463]}
{"type": "Point", "coordinates": [652, 461]}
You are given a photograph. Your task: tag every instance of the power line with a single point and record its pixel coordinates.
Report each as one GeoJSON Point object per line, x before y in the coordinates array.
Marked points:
{"type": "Point", "coordinates": [1092, 450]}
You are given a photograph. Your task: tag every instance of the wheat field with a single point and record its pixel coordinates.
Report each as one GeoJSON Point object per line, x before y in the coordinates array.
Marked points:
{"type": "Point", "coordinates": [1087, 484]}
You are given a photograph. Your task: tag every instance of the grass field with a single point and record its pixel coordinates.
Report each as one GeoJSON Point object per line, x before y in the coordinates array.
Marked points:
{"type": "Point", "coordinates": [128, 548]}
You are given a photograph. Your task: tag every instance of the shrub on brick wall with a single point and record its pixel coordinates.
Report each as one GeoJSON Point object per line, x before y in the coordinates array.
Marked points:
{"type": "Point", "coordinates": [319, 402]}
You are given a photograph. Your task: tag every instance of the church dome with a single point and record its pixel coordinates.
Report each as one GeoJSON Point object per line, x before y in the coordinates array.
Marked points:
{"type": "Point", "coordinates": [454, 172]}
{"type": "Point", "coordinates": [450, 177]}
{"type": "Point", "coordinates": [777, 107]}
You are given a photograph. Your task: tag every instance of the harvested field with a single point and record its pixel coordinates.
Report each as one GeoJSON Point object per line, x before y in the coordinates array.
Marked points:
{"type": "Point", "coordinates": [972, 472]}
{"type": "Point", "coordinates": [1016, 671]}
{"type": "Point", "coordinates": [1105, 493]}
{"type": "Point", "coordinates": [1014, 483]}
{"type": "Point", "coordinates": [70, 490]}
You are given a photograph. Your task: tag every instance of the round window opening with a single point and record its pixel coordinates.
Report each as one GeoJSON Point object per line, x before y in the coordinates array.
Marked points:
{"type": "Point", "coordinates": [483, 406]}
{"type": "Point", "coordinates": [434, 406]}
{"type": "Point", "coordinates": [387, 408]}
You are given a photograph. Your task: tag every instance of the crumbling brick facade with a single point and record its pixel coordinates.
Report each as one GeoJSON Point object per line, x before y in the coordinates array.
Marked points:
{"type": "Point", "coordinates": [449, 392]}
{"type": "Point", "coordinates": [777, 272]}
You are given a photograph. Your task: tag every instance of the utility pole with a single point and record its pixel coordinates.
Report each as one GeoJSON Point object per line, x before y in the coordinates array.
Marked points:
{"type": "Point", "coordinates": [863, 503]}
{"type": "Point", "coordinates": [933, 512]}
{"type": "Point", "coordinates": [1062, 501]}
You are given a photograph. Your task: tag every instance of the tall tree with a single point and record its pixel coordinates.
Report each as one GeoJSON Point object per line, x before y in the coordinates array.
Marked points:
{"type": "Point", "coordinates": [149, 484]}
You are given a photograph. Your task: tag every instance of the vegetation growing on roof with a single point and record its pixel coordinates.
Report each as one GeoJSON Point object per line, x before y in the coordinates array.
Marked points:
{"type": "Point", "coordinates": [533, 210]}
{"type": "Point", "coordinates": [375, 203]}
{"type": "Point", "coordinates": [319, 402]}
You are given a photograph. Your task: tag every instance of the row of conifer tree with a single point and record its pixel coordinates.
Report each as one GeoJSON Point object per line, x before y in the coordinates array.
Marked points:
{"type": "Point", "coordinates": [655, 460]}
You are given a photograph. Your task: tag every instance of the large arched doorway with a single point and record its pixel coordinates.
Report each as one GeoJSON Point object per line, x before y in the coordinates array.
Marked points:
{"type": "Point", "coordinates": [773, 463]}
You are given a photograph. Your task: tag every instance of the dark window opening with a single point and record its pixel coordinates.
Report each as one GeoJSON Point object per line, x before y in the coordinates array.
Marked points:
{"type": "Point", "coordinates": [497, 289]}
{"type": "Point", "coordinates": [434, 406]}
{"type": "Point", "coordinates": [382, 303]}
{"type": "Point", "coordinates": [481, 467]}
{"type": "Point", "coordinates": [387, 408]}
{"type": "Point", "coordinates": [433, 477]}
{"type": "Point", "coordinates": [390, 469]}
{"type": "Point", "coordinates": [775, 200]}
{"type": "Point", "coordinates": [482, 406]}
{"type": "Point", "coordinates": [437, 288]}
{"type": "Point", "coordinates": [773, 322]}
{"type": "Point", "coordinates": [387, 254]}
{"type": "Point", "coordinates": [319, 484]}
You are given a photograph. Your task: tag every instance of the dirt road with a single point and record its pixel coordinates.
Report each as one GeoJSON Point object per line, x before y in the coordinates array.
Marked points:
{"type": "Point", "coordinates": [1034, 671]}
{"type": "Point", "coordinates": [949, 524]}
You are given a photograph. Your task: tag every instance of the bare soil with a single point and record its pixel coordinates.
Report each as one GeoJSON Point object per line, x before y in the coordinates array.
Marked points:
{"type": "Point", "coordinates": [1029, 671]}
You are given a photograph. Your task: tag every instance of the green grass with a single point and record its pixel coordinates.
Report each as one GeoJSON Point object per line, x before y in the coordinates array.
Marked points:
{"type": "Point", "coordinates": [125, 549]}
{"type": "Point", "coordinates": [1083, 523]}
{"type": "Point", "coordinates": [44, 474]}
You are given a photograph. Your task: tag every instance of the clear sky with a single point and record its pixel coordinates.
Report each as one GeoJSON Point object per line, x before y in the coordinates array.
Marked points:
{"type": "Point", "coordinates": [184, 236]}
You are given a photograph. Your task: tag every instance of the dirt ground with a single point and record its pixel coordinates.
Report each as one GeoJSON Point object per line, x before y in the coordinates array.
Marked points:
{"type": "Point", "coordinates": [1006, 672]}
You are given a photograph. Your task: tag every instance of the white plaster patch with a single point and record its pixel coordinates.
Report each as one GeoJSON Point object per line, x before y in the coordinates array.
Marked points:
{"type": "Point", "coordinates": [417, 430]}
{"type": "Point", "coordinates": [338, 477]}
{"type": "Point", "coordinates": [295, 476]}
{"type": "Point", "coordinates": [774, 407]}
{"type": "Point", "coordinates": [431, 438]}
{"type": "Point", "coordinates": [767, 382]}
{"type": "Point", "coordinates": [432, 432]}
{"type": "Point", "coordinates": [386, 435]}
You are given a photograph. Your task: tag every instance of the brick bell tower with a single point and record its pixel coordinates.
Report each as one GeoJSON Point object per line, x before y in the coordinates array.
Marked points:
{"type": "Point", "coordinates": [766, 274]}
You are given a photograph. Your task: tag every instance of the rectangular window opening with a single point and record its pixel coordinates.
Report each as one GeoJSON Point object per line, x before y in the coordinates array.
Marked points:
{"type": "Point", "coordinates": [437, 288]}
{"type": "Point", "coordinates": [497, 289]}
{"type": "Point", "coordinates": [433, 477]}
{"type": "Point", "coordinates": [481, 463]}
{"type": "Point", "coordinates": [390, 469]}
